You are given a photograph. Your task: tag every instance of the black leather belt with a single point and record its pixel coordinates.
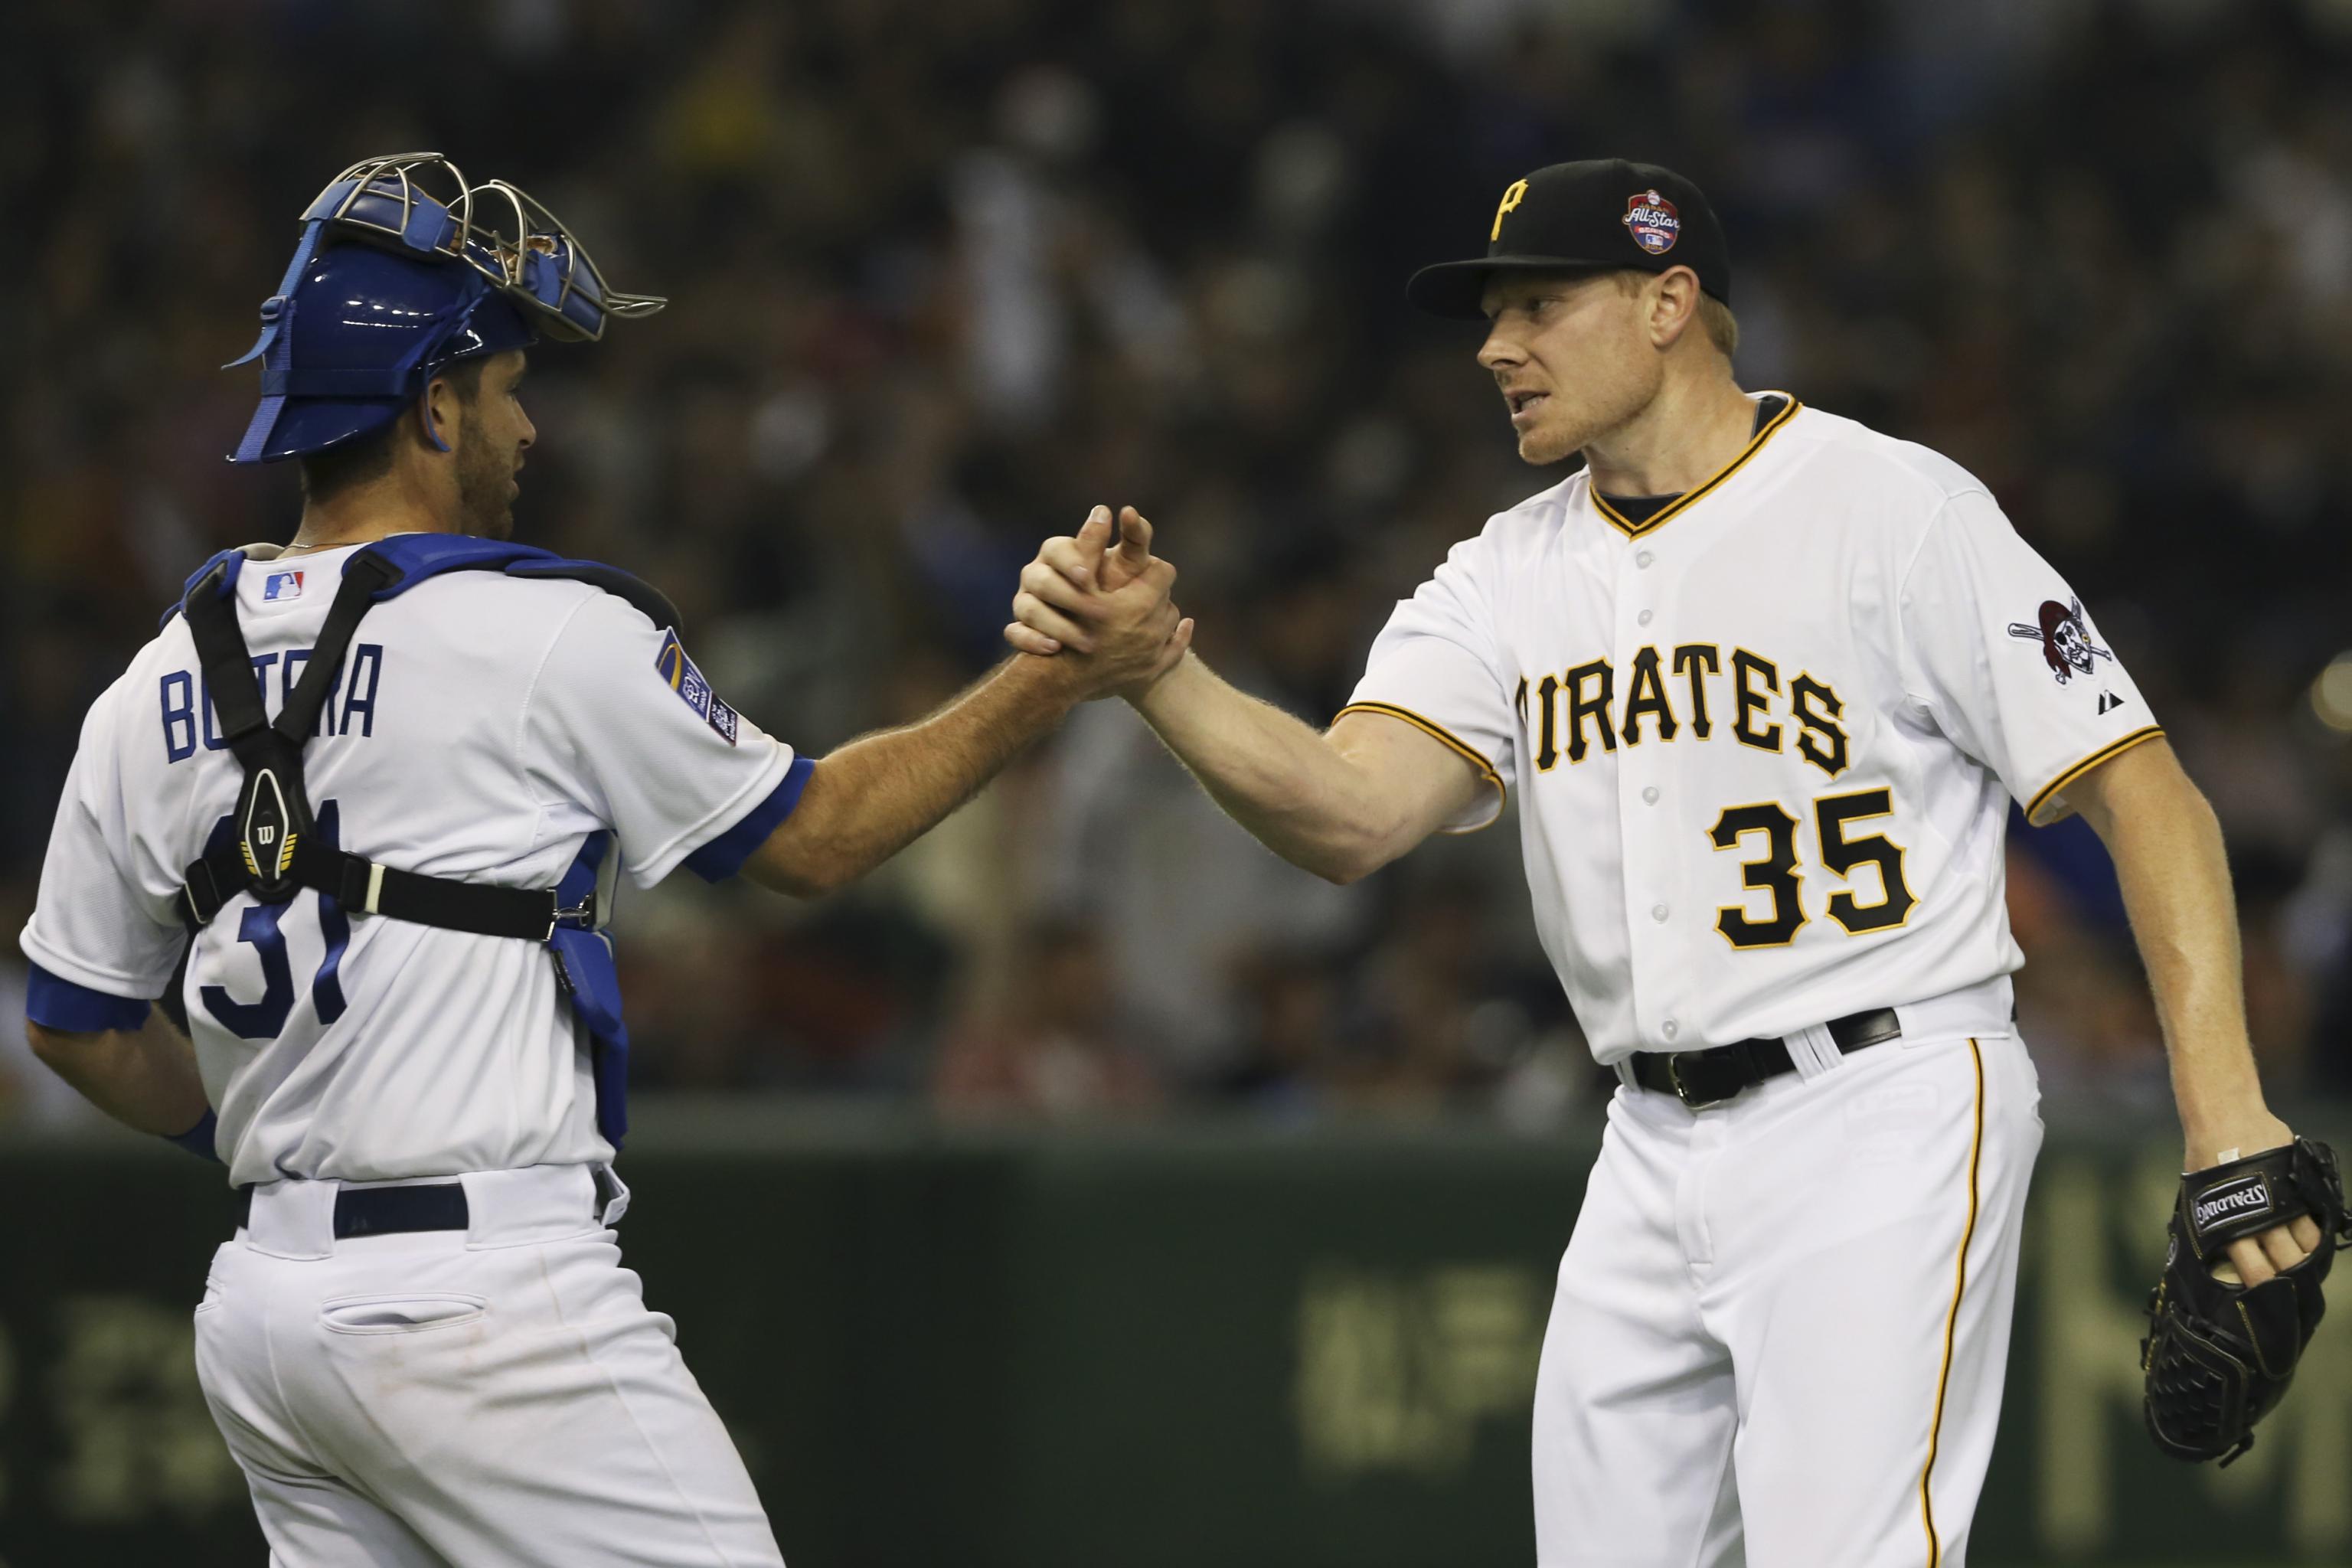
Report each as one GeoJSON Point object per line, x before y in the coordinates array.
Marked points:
{"type": "Point", "coordinates": [1701, 1079]}
{"type": "Point", "coordinates": [387, 1211]}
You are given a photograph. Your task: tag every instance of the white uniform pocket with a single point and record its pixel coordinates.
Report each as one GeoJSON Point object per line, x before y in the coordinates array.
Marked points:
{"type": "Point", "coordinates": [409, 1314]}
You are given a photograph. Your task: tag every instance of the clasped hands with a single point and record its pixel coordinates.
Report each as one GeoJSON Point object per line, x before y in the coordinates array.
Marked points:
{"type": "Point", "coordinates": [1107, 611]}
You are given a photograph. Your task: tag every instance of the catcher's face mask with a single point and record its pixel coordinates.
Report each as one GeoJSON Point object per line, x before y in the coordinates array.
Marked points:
{"type": "Point", "coordinates": [495, 227]}
{"type": "Point", "coordinates": [442, 270]}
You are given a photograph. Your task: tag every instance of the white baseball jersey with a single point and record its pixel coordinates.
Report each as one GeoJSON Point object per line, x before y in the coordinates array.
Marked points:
{"type": "Point", "coordinates": [1763, 737]}
{"type": "Point", "coordinates": [484, 728]}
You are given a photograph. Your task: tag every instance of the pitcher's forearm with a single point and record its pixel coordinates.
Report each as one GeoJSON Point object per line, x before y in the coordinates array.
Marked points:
{"type": "Point", "coordinates": [1279, 777]}
{"type": "Point", "coordinates": [2176, 883]}
{"type": "Point", "coordinates": [2175, 877]}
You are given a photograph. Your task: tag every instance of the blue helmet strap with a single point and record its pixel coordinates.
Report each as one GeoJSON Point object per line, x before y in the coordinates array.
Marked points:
{"type": "Point", "coordinates": [276, 343]}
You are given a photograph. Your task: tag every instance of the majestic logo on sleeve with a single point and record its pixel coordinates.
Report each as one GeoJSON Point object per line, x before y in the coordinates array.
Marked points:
{"type": "Point", "coordinates": [688, 682]}
{"type": "Point", "coordinates": [2065, 640]}
{"type": "Point", "coordinates": [1653, 222]}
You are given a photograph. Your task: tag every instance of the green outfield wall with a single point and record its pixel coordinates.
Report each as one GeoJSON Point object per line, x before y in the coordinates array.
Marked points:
{"type": "Point", "coordinates": [1111, 1351]}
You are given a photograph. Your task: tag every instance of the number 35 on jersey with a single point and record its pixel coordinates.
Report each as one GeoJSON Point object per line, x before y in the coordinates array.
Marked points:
{"type": "Point", "coordinates": [1676, 693]}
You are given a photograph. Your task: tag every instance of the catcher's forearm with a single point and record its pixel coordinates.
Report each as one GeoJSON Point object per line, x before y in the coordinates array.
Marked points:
{"type": "Point", "coordinates": [2175, 876]}
{"type": "Point", "coordinates": [872, 797]}
{"type": "Point", "coordinates": [144, 1077]}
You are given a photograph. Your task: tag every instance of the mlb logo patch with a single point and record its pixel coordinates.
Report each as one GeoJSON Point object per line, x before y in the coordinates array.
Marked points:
{"type": "Point", "coordinates": [281, 585]}
{"type": "Point", "coordinates": [692, 688]}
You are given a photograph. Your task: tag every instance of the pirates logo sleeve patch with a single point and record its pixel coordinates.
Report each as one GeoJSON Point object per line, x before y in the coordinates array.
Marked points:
{"type": "Point", "coordinates": [2065, 640]}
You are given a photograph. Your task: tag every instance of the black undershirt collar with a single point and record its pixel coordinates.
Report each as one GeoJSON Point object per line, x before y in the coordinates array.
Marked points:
{"type": "Point", "coordinates": [1639, 510]}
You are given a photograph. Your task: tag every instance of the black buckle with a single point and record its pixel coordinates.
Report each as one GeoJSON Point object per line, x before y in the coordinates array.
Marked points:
{"type": "Point", "coordinates": [352, 879]}
{"type": "Point", "coordinates": [201, 894]}
{"type": "Point", "coordinates": [1684, 1092]}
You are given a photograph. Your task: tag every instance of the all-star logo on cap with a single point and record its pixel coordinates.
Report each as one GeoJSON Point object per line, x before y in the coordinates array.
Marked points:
{"type": "Point", "coordinates": [1598, 215]}
{"type": "Point", "coordinates": [1653, 222]}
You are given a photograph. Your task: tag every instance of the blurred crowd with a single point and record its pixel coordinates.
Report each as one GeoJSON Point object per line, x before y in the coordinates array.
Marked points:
{"type": "Point", "coordinates": [946, 273]}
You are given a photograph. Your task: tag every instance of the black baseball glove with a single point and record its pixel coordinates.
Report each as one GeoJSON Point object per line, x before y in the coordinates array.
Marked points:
{"type": "Point", "coordinates": [2219, 1355]}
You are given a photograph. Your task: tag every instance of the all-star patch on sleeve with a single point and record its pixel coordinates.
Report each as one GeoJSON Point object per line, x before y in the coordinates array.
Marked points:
{"type": "Point", "coordinates": [2001, 654]}
{"type": "Point", "coordinates": [687, 680]}
{"type": "Point", "coordinates": [625, 725]}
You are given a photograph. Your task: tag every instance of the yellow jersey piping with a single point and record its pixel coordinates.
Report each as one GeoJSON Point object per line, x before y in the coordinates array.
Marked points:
{"type": "Point", "coordinates": [2112, 749]}
{"type": "Point", "coordinates": [1436, 731]}
{"type": "Point", "coordinates": [1633, 530]}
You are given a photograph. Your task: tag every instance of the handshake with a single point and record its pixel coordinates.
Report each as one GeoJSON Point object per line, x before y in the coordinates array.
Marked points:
{"type": "Point", "coordinates": [1105, 611]}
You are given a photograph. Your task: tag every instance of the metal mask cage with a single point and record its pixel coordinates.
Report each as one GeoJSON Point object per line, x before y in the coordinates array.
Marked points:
{"type": "Point", "coordinates": [508, 236]}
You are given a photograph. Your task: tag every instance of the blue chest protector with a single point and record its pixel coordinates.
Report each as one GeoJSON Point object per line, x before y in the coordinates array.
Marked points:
{"type": "Point", "coordinates": [271, 847]}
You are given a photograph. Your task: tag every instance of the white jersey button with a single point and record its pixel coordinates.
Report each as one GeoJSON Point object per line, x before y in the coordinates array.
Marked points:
{"type": "Point", "coordinates": [1642, 619]}
{"type": "Point", "coordinates": [1670, 1028]}
{"type": "Point", "coordinates": [1658, 913]}
{"type": "Point", "coordinates": [1649, 794]}
{"type": "Point", "coordinates": [1643, 558]}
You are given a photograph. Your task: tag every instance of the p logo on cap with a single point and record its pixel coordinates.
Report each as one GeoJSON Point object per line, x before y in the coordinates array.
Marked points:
{"type": "Point", "coordinates": [1511, 199]}
{"type": "Point", "coordinates": [1600, 215]}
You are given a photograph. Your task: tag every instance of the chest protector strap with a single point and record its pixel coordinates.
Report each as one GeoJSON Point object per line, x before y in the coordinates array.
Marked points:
{"type": "Point", "coordinates": [273, 849]}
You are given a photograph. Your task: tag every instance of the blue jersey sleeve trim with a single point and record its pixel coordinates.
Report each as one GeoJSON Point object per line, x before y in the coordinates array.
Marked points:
{"type": "Point", "coordinates": [724, 856]}
{"type": "Point", "coordinates": [55, 1002]}
{"type": "Point", "coordinates": [202, 1139]}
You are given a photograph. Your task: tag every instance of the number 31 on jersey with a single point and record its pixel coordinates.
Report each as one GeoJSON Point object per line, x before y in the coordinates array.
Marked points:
{"type": "Point", "coordinates": [1777, 872]}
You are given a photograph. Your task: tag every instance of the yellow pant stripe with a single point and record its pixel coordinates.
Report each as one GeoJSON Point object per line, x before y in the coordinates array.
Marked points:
{"type": "Point", "coordinates": [1952, 1319]}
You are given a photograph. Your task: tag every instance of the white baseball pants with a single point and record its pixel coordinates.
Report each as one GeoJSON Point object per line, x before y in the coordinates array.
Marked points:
{"type": "Point", "coordinates": [496, 1397]}
{"type": "Point", "coordinates": [1782, 1322]}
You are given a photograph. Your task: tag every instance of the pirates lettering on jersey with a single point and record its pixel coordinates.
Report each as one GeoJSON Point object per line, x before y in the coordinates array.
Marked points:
{"type": "Point", "coordinates": [350, 708]}
{"type": "Point", "coordinates": [1667, 694]}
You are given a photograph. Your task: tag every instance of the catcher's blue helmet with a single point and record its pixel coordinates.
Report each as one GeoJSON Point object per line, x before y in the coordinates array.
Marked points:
{"type": "Point", "coordinates": [390, 285]}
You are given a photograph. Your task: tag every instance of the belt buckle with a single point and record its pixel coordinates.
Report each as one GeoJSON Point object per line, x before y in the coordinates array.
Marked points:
{"type": "Point", "coordinates": [1684, 1092]}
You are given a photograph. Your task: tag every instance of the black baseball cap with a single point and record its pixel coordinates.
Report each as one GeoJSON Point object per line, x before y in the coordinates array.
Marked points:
{"type": "Point", "coordinates": [1602, 214]}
